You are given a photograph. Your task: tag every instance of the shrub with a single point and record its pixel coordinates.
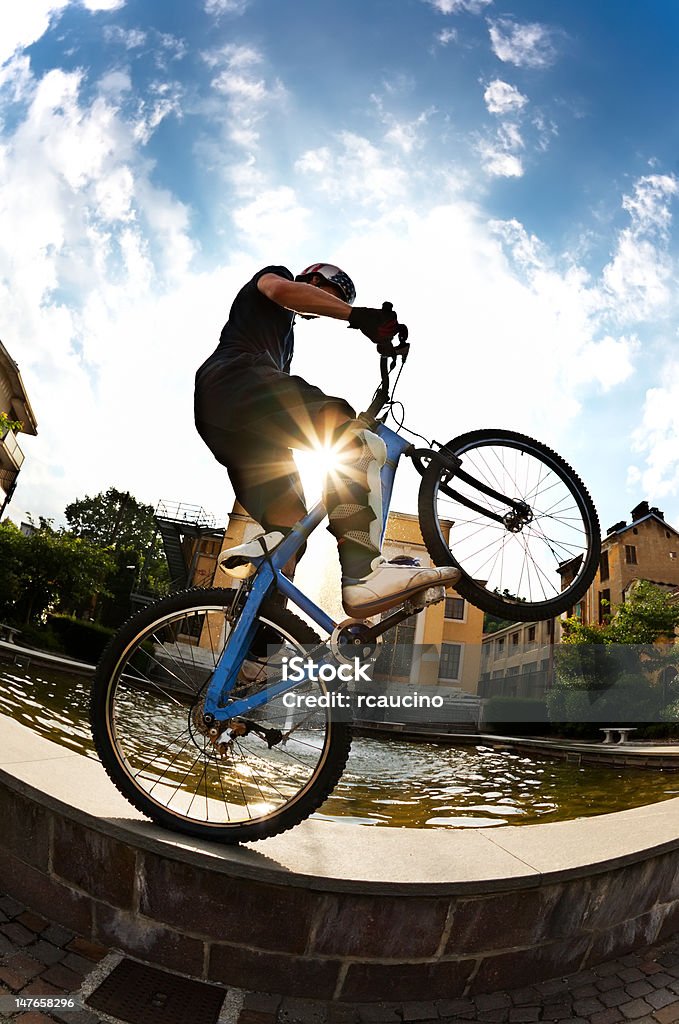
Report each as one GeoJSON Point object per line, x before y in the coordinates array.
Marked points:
{"type": "Point", "coordinates": [41, 637]}
{"type": "Point", "coordinates": [80, 639]}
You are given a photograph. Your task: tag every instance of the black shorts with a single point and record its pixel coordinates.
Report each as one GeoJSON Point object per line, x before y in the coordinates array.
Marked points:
{"type": "Point", "coordinates": [250, 418]}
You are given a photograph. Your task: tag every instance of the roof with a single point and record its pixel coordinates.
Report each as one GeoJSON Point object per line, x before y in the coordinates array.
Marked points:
{"type": "Point", "coordinates": [20, 405]}
{"type": "Point", "coordinates": [628, 526]}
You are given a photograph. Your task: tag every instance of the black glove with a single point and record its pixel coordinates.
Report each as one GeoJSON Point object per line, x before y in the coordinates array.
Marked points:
{"type": "Point", "coordinates": [380, 325]}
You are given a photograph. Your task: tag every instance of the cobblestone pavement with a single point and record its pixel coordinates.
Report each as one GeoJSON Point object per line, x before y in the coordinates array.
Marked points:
{"type": "Point", "coordinates": [38, 958]}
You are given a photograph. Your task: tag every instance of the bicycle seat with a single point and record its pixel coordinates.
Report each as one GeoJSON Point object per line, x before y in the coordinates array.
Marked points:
{"type": "Point", "coordinates": [243, 560]}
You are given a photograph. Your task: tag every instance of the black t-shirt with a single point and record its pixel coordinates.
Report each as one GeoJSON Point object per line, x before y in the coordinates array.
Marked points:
{"type": "Point", "coordinates": [258, 331]}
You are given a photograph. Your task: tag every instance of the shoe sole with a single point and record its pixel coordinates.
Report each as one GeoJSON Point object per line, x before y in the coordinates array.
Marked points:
{"type": "Point", "coordinates": [364, 610]}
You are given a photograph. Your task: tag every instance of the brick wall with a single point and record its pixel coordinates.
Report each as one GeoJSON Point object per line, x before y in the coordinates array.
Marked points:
{"type": "Point", "coordinates": [117, 887]}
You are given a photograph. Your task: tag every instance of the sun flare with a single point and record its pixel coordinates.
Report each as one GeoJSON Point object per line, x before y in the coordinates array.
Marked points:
{"type": "Point", "coordinates": [314, 465]}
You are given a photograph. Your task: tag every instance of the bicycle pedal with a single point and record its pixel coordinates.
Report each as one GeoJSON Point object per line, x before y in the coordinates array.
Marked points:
{"type": "Point", "coordinates": [432, 595]}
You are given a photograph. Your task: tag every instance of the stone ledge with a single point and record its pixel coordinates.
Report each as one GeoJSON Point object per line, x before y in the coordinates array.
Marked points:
{"type": "Point", "coordinates": [333, 857]}
{"type": "Point", "coordinates": [362, 913]}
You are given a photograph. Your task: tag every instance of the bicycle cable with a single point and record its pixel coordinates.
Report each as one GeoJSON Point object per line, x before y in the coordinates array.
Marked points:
{"type": "Point", "coordinates": [400, 424]}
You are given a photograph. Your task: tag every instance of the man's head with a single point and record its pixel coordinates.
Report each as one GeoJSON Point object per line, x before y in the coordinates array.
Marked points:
{"type": "Point", "coordinates": [327, 275]}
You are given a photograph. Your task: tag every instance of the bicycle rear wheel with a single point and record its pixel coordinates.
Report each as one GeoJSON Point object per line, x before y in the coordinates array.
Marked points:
{"type": "Point", "coordinates": [147, 722]}
{"type": "Point", "coordinates": [527, 558]}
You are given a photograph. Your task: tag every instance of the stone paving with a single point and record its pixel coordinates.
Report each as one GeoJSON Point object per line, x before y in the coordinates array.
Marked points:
{"type": "Point", "coordinates": [40, 958]}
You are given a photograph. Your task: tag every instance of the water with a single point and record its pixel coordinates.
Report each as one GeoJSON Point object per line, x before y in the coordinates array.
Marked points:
{"type": "Point", "coordinates": [390, 783]}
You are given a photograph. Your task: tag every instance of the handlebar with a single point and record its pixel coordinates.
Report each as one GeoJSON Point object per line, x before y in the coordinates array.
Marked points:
{"type": "Point", "coordinates": [389, 353]}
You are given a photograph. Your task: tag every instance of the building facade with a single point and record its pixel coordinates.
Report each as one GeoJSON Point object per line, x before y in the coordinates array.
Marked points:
{"type": "Point", "coordinates": [645, 548]}
{"type": "Point", "coordinates": [517, 661]}
{"type": "Point", "coordinates": [15, 405]}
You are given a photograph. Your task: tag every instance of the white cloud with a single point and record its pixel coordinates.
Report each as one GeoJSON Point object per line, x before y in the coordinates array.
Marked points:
{"type": "Point", "coordinates": [446, 36]}
{"type": "Point", "coordinates": [405, 135]}
{"type": "Point", "coordinates": [656, 439]}
{"type": "Point", "coordinates": [22, 24]}
{"type": "Point", "coordinates": [131, 38]}
{"type": "Point", "coordinates": [357, 171]}
{"type": "Point", "coordinates": [640, 275]}
{"type": "Point", "coordinates": [83, 277]}
{"type": "Point", "coordinates": [269, 221]}
{"type": "Point", "coordinates": [249, 97]}
{"type": "Point", "coordinates": [524, 45]}
{"type": "Point", "coordinates": [500, 153]}
{"type": "Point", "coordinates": [103, 5]}
{"type": "Point", "coordinates": [502, 98]}
{"type": "Point", "coordinates": [497, 162]}
{"type": "Point", "coordinates": [219, 7]}
{"type": "Point", "coordinates": [457, 6]}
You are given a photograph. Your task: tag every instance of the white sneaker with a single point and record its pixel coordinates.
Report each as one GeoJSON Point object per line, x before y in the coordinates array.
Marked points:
{"type": "Point", "coordinates": [389, 585]}
{"type": "Point", "coordinates": [240, 562]}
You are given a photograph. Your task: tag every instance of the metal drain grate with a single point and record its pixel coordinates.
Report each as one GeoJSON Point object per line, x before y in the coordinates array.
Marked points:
{"type": "Point", "coordinates": [144, 995]}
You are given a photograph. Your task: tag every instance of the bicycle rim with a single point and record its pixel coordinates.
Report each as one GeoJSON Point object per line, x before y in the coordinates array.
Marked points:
{"type": "Point", "coordinates": [154, 744]}
{"type": "Point", "coordinates": [524, 566]}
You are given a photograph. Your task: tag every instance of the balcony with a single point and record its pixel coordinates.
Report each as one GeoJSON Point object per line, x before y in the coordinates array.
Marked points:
{"type": "Point", "coordinates": [11, 455]}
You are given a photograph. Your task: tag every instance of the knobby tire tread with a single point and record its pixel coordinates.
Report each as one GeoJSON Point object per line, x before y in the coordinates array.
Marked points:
{"type": "Point", "coordinates": [319, 790]}
{"type": "Point", "coordinates": [466, 587]}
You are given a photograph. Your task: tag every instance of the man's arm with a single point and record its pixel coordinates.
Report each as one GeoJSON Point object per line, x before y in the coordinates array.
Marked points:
{"type": "Point", "coordinates": [303, 298]}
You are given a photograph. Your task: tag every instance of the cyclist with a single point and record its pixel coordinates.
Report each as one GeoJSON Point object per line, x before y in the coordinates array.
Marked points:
{"type": "Point", "coordinates": [251, 411]}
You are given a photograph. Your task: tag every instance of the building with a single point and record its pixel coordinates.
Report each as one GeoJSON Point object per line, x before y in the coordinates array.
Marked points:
{"type": "Point", "coordinates": [15, 405]}
{"type": "Point", "coordinates": [192, 541]}
{"type": "Point", "coordinates": [442, 645]}
{"type": "Point", "coordinates": [645, 548]}
{"type": "Point", "coordinates": [517, 661]}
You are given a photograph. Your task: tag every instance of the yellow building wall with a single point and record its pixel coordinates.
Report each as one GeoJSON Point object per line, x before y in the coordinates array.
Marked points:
{"type": "Point", "coordinates": [403, 536]}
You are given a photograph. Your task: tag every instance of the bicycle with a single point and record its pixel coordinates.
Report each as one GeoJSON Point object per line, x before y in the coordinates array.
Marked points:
{"type": "Point", "coordinates": [200, 750]}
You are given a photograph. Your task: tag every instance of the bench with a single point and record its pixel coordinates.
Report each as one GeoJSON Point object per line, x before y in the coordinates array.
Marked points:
{"type": "Point", "coordinates": [608, 734]}
{"type": "Point", "coordinates": [8, 633]}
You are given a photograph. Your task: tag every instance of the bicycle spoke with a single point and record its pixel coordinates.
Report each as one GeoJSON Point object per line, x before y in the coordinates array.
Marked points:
{"type": "Point", "coordinates": [159, 734]}
{"type": "Point", "coordinates": [521, 556]}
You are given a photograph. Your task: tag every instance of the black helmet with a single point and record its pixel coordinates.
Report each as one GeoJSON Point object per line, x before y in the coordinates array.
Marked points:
{"type": "Point", "coordinates": [333, 275]}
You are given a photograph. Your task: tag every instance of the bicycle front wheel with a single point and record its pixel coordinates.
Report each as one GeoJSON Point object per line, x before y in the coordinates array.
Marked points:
{"type": "Point", "coordinates": [147, 722]}
{"type": "Point", "coordinates": [516, 520]}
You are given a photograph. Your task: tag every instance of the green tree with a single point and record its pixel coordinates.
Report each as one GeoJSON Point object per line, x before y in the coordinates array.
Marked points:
{"type": "Point", "coordinates": [112, 518]}
{"type": "Point", "coordinates": [11, 541]}
{"type": "Point", "coordinates": [115, 520]}
{"type": "Point", "coordinates": [616, 670]}
{"type": "Point", "coordinates": [648, 614]}
{"type": "Point", "coordinates": [53, 570]}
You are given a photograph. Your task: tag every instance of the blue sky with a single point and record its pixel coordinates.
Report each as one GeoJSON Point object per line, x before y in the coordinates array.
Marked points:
{"type": "Point", "coordinates": [505, 172]}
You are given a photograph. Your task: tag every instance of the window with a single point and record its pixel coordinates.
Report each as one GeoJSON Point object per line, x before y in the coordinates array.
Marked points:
{"type": "Point", "coordinates": [673, 554]}
{"type": "Point", "coordinates": [449, 664]}
{"type": "Point", "coordinates": [454, 608]}
{"type": "Point", "coordinates": [603, 566]}
{"type": "Point", "coordinates": [549, 628]}
{"type": "Point", "coordinates": [515, 639]}
{"type": "Point", "coordinates": [500, 644]}
{"type": "Point", "coordinates": [530, 635]}
{"type": "Point", "coordinates": [630, 554]}
{"type": "Point", "coordinates": [604, 605]}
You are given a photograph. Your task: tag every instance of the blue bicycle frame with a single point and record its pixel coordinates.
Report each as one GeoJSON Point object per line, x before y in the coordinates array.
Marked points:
{"type": "Point", "coordinates": [270, 575]}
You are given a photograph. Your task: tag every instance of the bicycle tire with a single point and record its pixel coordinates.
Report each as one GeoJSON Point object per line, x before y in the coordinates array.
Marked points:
{"type": "Point", "coordinates": [499, 578]}
{"type": "Point", "coordinates": [118, 719]}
